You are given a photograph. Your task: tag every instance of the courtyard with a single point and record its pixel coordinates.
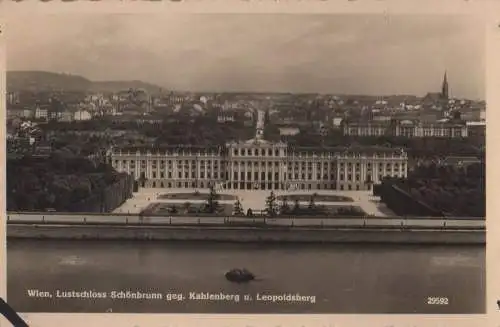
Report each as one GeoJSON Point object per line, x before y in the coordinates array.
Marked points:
{"type": "Point", "coordinates": [254, 199]}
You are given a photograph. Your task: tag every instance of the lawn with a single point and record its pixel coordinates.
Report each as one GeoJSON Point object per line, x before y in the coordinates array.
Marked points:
{"type": "Point", "coordinates": [182, 209]}
{"type": "Point", "coordinates": [196, 196]}
{"type": "Point", "coordinates": [325, 211]}
{"type": "Point", "coordinates": [317, 198]}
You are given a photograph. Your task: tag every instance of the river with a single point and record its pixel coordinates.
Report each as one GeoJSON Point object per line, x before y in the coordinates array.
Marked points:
{"type": "Point", "coordinates": [343, 278]}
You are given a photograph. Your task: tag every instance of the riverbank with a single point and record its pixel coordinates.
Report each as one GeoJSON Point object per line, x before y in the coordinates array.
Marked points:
{"type": "Point", "coordinates": [246, 234]}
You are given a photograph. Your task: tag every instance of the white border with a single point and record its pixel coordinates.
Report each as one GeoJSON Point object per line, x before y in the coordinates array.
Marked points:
{"type": "Point", "coordinates": [484, 9]}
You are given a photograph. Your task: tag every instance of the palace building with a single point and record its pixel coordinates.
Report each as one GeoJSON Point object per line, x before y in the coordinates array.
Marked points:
{"type": "Point", "coordinates": [454, 128]}
{"type": "Point", "coordinates": [260, 165]}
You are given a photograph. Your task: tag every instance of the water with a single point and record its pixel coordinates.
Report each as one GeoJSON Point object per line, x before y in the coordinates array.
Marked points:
{"type": "Point", "coordinates": [343, 278]}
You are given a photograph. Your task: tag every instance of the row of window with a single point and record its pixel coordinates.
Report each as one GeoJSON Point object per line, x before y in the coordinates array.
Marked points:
{"type": "Point", "coordinates": [455, 132]}
{"type": "Point", "coordinates": [342, 169]}
{"type": "Point", "coordinates": [259, 186]}
{"type": "Point", "coordinates": [256, 152]}
{"type": "Point", "coordinates": [248, 176]}
{"type": "Point", "coordinates": [290, 156]}
{"type": "Point", "coordinates": [295, 164]}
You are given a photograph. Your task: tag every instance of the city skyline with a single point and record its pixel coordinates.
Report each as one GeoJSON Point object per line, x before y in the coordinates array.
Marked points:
{"type": "Point", "coordinates": [328, 54]}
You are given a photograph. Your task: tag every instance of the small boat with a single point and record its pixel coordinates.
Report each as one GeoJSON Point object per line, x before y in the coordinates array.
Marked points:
{"type": "Point", "coordinates": [239, 275]}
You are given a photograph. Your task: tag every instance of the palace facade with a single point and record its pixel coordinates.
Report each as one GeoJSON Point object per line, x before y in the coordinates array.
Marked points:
{"type": "Point", "coordinates": [260, 165]}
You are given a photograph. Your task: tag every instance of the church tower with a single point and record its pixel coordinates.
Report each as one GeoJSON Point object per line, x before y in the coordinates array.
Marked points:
{"type": "Point", "coordinates": [444, 89]}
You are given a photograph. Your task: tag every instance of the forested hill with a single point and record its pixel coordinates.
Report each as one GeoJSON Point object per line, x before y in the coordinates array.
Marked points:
{"type": "Point", "coordinates": [45, 81]}
{"type": "Point", "coordinates": [40, 81]}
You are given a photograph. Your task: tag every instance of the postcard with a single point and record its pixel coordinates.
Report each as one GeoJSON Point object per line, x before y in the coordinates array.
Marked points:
{"type": "Point", "coordinates": [246, 166]}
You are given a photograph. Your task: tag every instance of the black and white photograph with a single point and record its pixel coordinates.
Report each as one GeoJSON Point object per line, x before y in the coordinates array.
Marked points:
{"type": "Point", "coordinates": [246, 163]}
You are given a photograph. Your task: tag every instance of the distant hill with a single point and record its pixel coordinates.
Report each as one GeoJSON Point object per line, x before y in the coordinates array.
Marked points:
{"type": "Point", "coordinates": [47, 81]}
{"type": "Point", "coordinates": [117, 86]}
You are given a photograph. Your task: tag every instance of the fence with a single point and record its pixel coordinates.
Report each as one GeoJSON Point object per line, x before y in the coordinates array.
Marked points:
{"type": "Point", "coordinates": [336, 222]}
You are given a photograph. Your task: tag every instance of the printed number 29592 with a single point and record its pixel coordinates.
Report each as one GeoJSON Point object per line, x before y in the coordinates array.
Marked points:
{"type": "Point", "coordinates": [437, 300]}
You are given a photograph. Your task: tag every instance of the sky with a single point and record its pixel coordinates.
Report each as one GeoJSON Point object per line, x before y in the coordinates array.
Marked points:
{"type": "Point", "coordinates": [329, 53]}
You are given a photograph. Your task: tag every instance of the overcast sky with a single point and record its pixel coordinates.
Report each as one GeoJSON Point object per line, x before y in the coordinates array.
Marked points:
{"type": "Point", "coordinates": [355, 54]}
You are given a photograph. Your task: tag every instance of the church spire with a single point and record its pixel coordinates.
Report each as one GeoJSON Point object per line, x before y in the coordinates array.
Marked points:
{"type": "Point", "coordinates": [444, 90]}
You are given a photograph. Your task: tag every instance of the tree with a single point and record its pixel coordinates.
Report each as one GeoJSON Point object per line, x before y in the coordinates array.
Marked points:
{"type": "Point", "coordinates": [249, 213]}
{"type": "Point", "coordinates": [285, 207]}
{"type": "Point", "coordinates": [187, 206]}
{"type": "Point", "coordinates": [267, 117]}
{"type": "Point", "coordinates": [238, 209]}
{"type": "Point", "coordinates": [212, 203]}
{"type": "Point", "coordinates": [296, 207]}
{"type": "Point", "coordinates": [369, 182]}
{"type": "Point", "coordinates": [311, 205]}
{"type": "Point", "coordinates": [271, 205]}
{"type": "Point", "coordinates": [142, 179]}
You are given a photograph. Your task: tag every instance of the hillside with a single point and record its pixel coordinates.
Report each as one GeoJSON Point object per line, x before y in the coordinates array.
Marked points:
{"type": "Point", "coordinates": [47, 81]}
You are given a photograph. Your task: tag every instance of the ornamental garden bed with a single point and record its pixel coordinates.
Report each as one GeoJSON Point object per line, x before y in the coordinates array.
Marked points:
{"type": "Point", "coordinates": [317, 198]}
{"type": "Point", "coordinates": [196, 196]}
